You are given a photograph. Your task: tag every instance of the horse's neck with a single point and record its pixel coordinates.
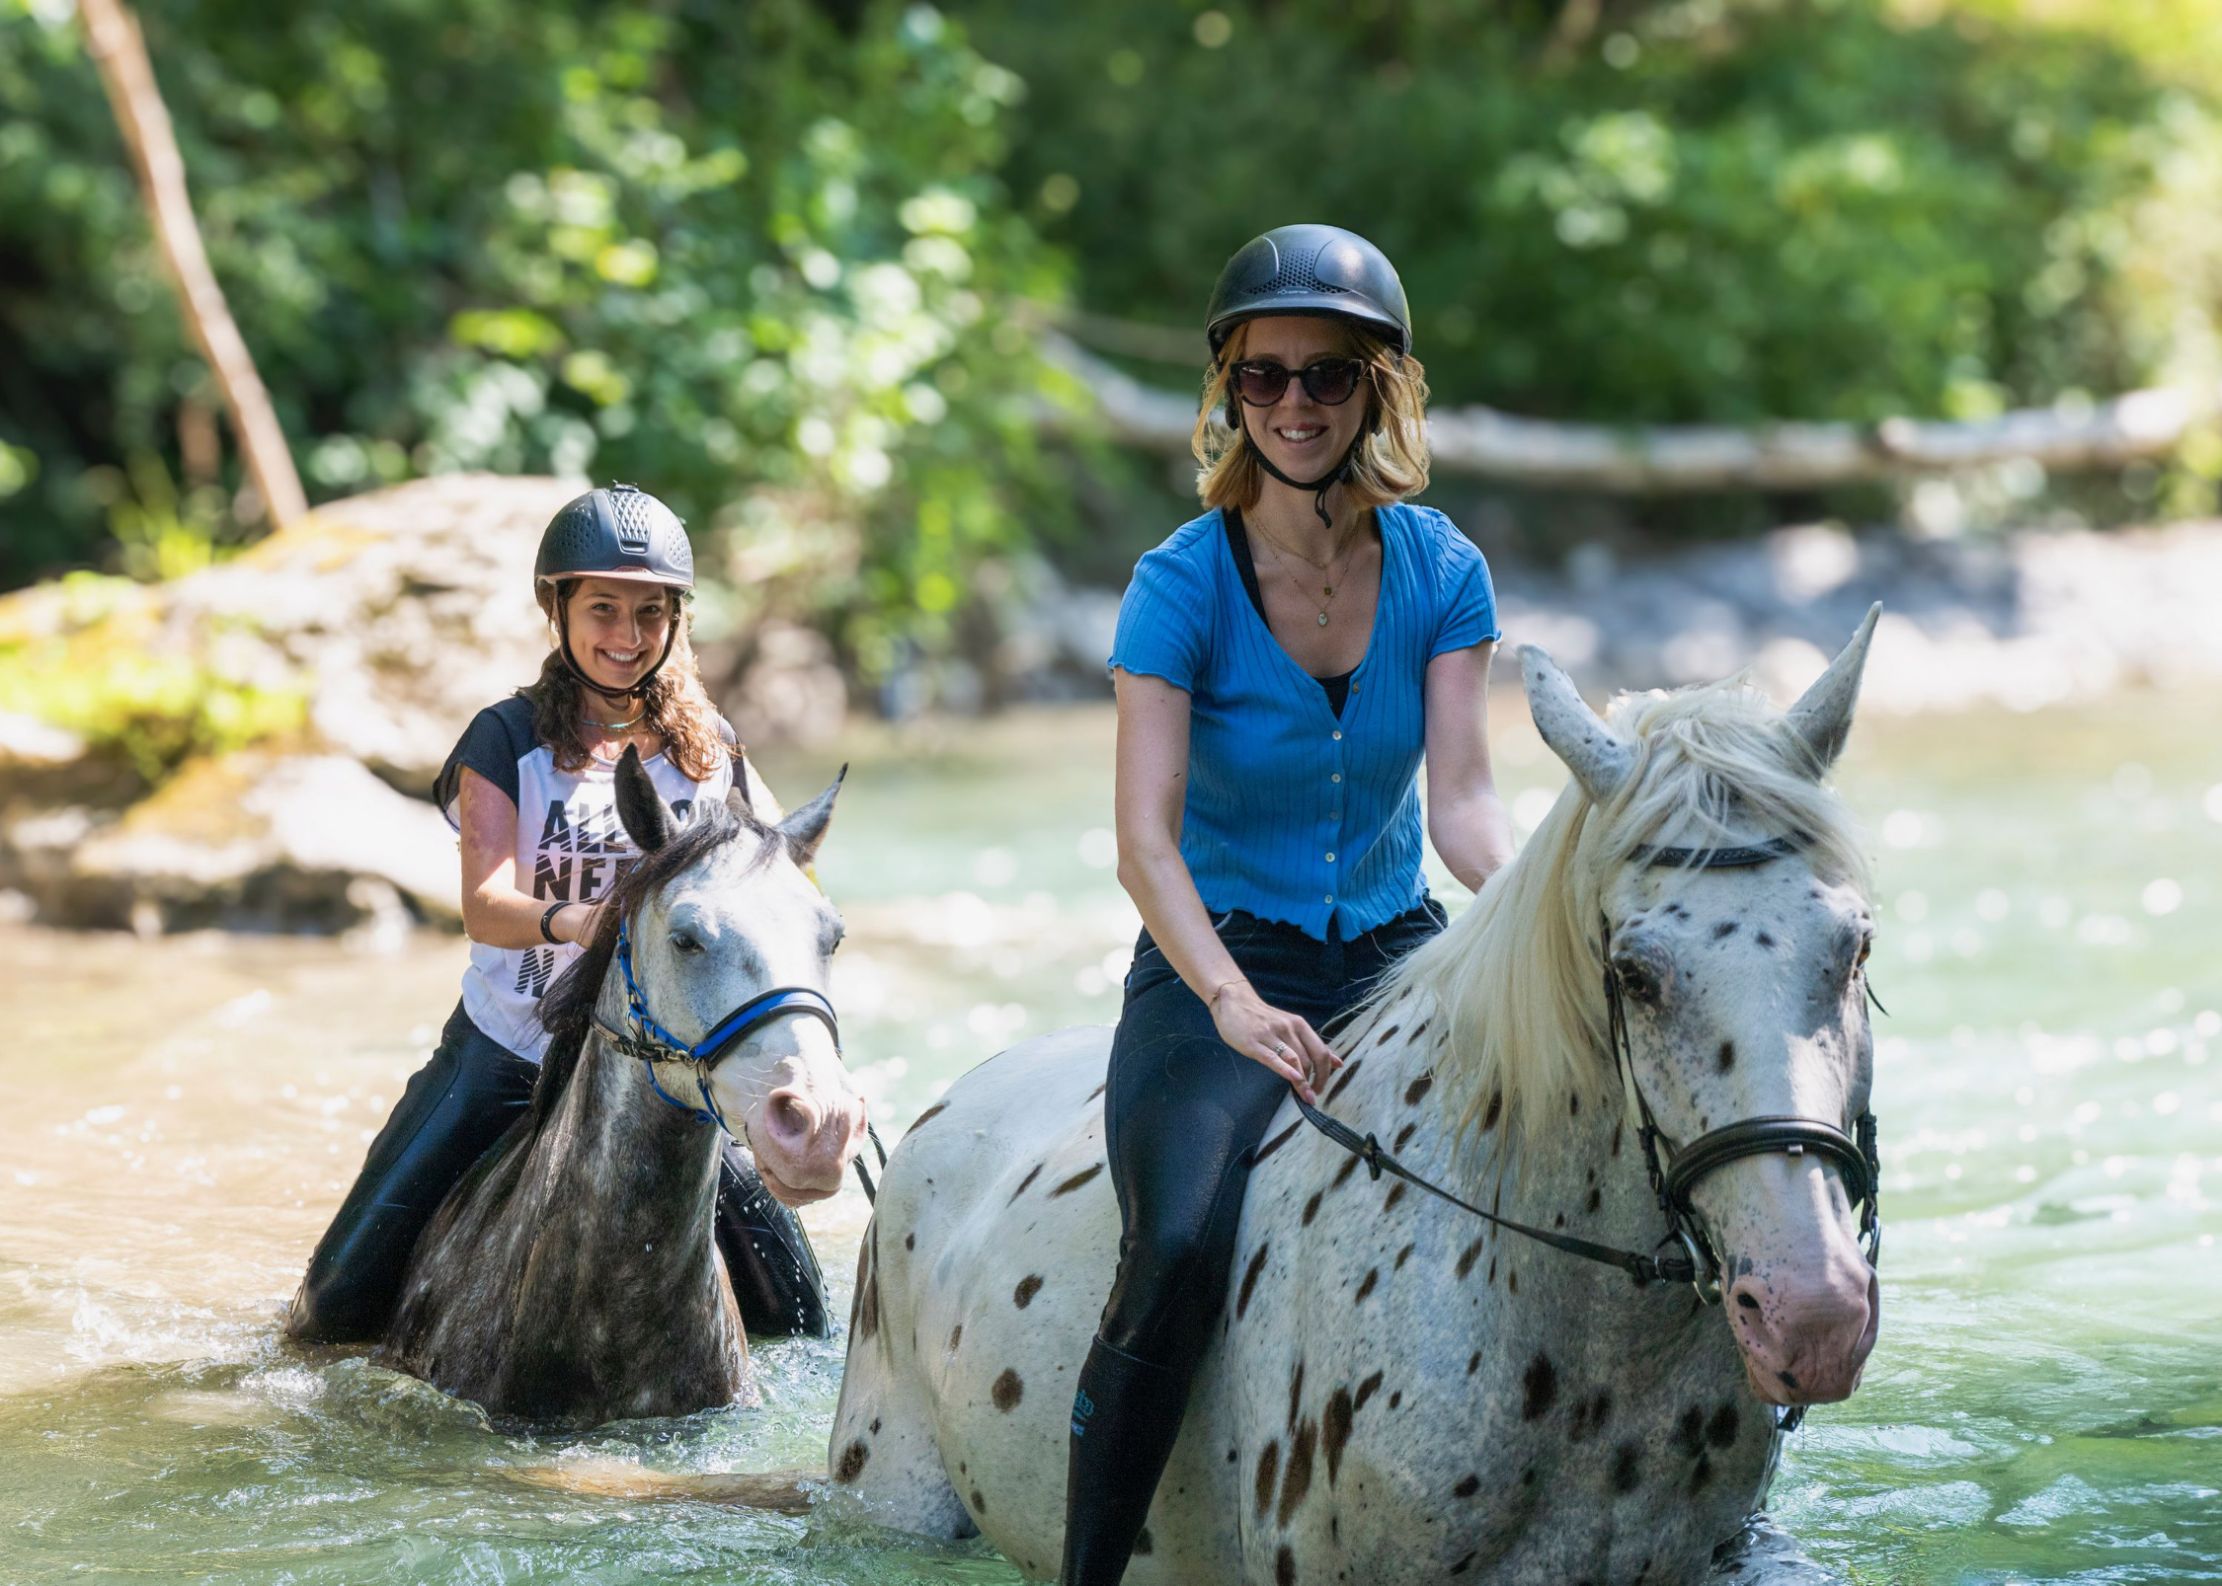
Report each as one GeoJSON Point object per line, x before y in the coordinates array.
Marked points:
{"type": "Point", "coordinates": [1582, 1175]}
{"type": "Point", "coordinates": [626, 1166]}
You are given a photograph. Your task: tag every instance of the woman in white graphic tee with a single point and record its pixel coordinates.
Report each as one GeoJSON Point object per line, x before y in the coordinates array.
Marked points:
{"type": "Point", "coordinates": [530, 788]}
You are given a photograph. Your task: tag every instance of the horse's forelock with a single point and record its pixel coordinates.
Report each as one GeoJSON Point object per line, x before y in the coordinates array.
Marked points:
{"type": "Point", "coordinates": [1508, 992]}
{"type": "Point", "coordinates": [567, 1011]}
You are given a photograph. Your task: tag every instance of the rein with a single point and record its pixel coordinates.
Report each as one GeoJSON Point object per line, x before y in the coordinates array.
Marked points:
{"type": "Point", "coordinates": [650, 1043]}
{"type": "Point", "coordinates": [1672, 1181]}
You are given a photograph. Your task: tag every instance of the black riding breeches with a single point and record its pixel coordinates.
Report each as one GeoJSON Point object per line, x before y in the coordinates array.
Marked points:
{"type": "Point", "coordinates": [455, 1108]}
{"type": "Point", "coordinates": [1184, 1113]}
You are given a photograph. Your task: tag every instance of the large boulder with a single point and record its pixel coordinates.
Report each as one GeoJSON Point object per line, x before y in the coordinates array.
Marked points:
{"type": "Point", "coordinates": [254, 745]}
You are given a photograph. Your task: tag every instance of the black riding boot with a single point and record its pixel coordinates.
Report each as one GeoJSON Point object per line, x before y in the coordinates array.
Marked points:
{"type": "Point", "coordinates": [1125, 1419]}
{"type": "Point", "coordinates": [456, 1106]}
{"type": "Point", "coordinates": [767, 1255]}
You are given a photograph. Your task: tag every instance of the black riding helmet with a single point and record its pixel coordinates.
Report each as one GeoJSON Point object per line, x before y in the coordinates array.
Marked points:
{"type": "Point", "coordinates": [1309, 269]}
{"type": "Point", "coordinates": [622, 532]}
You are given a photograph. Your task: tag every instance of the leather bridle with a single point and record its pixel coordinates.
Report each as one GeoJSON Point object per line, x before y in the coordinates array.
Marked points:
{"type": "Point", "coordinates": [650, 1043]}
{"type": "Point", "coordinates": [1674, 1171]}
{"type": "Point", "coordinates": [1675, 1176]}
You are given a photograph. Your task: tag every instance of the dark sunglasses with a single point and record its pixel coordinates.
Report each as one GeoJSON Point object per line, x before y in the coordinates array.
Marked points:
{"type": "Point", "coordinates": [1327, 381]}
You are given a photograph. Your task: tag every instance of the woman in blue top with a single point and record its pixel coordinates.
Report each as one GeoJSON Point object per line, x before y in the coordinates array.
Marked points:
{"type": "Point", "coordinates": [1283, 663]}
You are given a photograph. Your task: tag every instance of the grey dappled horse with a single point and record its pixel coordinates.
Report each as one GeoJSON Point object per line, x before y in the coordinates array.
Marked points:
{"type": "Point", "coordinates": [1403, 1392]}
{"type": "Point", "coordinates": [572, 1276]}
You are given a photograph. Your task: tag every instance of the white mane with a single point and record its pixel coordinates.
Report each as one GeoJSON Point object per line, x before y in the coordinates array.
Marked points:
{"type": "Point", "coordinates": [1515, 1005]}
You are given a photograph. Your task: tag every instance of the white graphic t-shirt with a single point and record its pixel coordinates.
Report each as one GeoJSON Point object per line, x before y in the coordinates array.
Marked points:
{"type": "Point", "coordinates": [571, 848]}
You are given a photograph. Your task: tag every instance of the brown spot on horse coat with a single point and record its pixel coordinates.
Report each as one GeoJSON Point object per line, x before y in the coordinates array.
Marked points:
{"type": "Point", "coordinates": [1689, 1432]}
{"type": "Point", "coordinates": [1342, 1174]}
{"type": "Point", "coordinates": [1008, 1390]}
{"type": "Point", "coordinates": [1591, 1415]}
{"type": "Point", "coordinates": [1627, 1467]}
{"type": "Point", "coordinates": [1473, 1362]}
{"type": "Point", "coordinates": [1028, 1287]}
{"type": "Point", "coordinates": [931, 1113]}
{"type": "Point", "coordinates": [1464, 1564]}
{"type": "Point", "coordinates": [1418, 1088]}
{"type": "Point", "coordinates": [1596, 1198]}
{"type": "Point", "coordinates": [1403, 1256]}
{"type": "Point", "coordinates": [1275, 1143]}
{"type": "Point", "coordinates": [1295, 1395]}
{"type": "Point", "coordinates": [1721, 1430]}
{"type": "Point", "coordinates": [1701, 1473]}
{"type": "Point", "coordinates": [1366, 1390]}
{"type": "Point", "coordinates": [1373, 1276]}
{"type": "Point", "coordinates": [1727, 1059]}
{"type": "Point", "coordinates": [1342, 1081]}
{"type": "Point", "coordinates": [852, 1462]}
{"type": "Point", "coordinates": [1269, 1468]}
{"type": "Point", "coordinates": [1284, 1567]}
{"type": "Point", "coordinates": [1250, 1281]}
{"type": "Point", "coordinates": [979, 1504]}
{"type": "Point", "coordinates": [1032, 1174]}
{"type": "Point", "coordinates": [1404, 1134]}
{"type": "Point", "coordinates": [1496, 1111]}
{"type": "Point", "coordinates": [956, 1337]}
{"type": "Point", "coordinates": [1468, 1256]}
{"type": "Point", "coordinates": [1334, 1430]}
{"type": "Point", "coordinates": [1467, 1487]}
{"type": "Point", "coordinates": [1296, 1481]}
{"type": "Point", "coordinates": [1311, 1207]}
{"type": "Point", "coordinates": [1538, 1388]}
{"type": "Point", "coordinates": [1396, 1193]}
{"type": "Point", "coordinates": [1076, 1181]}
{"type": "Point", "coordinates": [910, 1241]}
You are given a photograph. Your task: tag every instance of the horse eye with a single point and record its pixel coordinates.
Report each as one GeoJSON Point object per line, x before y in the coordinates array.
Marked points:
{"type": "Point", "coordinates": [1866, 946]}
{"type": "Point", "coordinates": [684, 943]}
{"type": "Point", "coordinates": [1637, 982]}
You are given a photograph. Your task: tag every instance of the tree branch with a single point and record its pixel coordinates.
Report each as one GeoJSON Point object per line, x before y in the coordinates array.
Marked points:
{"type": "Point", "coordinates": [1484, 443]}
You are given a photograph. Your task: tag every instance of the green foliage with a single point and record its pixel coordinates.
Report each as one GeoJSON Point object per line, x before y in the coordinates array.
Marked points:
{"type": "Point", "coordinates": [713, 250]}
{"type": "Point", "coordinates": [84, 661]}
{"type": "Point", "coordinates": [1706, 210]}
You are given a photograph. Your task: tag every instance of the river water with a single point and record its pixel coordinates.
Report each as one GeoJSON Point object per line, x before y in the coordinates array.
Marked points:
{"type": "Point", "coordinates": [178, 1120]}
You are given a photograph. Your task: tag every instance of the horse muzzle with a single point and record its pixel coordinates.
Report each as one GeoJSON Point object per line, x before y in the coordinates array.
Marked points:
{"type": "Point", "coordinates": [805, 1142]}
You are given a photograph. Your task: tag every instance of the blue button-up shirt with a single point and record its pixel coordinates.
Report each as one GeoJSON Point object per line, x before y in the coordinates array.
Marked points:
{"type": "Point", "coordinates": [1293, 813]}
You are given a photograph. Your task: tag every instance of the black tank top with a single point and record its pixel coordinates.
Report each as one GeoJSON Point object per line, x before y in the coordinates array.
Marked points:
{"type": "Point", "coordinates": [1238, 542]}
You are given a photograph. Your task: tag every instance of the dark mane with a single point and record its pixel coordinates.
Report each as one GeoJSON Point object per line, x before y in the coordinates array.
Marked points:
{"type": "Point", "coordinates": [567, 1011]}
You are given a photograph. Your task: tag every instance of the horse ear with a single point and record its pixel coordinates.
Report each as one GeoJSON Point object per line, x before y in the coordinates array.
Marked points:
{"type": "Point", "coordinates": [1822, 717]}
{"type": "Point", "coordinates": [806, 828]}
{"type": "Point", "coordinates": [647, 819]}
{"type": "Point", "coordinates": [1595, 754]}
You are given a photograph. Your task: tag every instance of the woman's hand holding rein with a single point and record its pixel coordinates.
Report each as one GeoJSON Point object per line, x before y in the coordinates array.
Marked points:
{"type": "Point", "coordinates": [1265, 1034]}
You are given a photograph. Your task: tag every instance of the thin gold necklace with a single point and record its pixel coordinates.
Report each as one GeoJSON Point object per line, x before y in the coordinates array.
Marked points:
{"type": "Point", "coordinates": [1327, 590]}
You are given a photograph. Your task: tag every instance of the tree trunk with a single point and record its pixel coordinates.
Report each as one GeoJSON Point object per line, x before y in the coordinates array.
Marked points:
{"type": "Point", "coordinates": [1667, 459]}
{"type": "Point", "coordinates": [120, 53]}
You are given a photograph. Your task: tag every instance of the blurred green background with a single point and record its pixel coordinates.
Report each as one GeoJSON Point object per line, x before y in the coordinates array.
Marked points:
{"type": "Point", "coordinates": [799, 254]}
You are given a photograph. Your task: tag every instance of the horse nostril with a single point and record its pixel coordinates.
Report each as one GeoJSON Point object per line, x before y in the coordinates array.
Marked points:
{"type": "Point", "coordinates": [1743, 1298]}
{"type": "Point", "coordinates": [790, 1116]}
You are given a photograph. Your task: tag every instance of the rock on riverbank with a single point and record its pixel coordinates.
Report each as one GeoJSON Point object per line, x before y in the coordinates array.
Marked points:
{"type": "Point", "coordinates": [253, 747]}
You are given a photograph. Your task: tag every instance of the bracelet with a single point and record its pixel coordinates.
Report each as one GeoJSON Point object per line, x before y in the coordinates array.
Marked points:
{"type": "Point", "coordinates": [547, 922]}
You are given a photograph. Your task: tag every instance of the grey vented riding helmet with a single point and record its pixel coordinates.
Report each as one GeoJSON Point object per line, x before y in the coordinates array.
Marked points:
{"type": "Point", "coordinates": [1311, 269]}
{"type": "Point", "coordinates": [622, 532]}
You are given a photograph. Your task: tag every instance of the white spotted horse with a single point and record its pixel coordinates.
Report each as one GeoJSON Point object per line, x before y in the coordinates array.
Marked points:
{"type": "Point", "coordinates": [572, 1277]}
{"type": "Point", "coordinates": [1642, 1052]}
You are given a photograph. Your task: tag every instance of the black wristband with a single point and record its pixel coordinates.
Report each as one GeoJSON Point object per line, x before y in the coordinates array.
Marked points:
{"type": "Point", "coordinates": [547, 922]}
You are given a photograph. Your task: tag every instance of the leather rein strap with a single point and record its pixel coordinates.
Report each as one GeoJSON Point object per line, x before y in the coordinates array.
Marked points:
{"type": "Point", "coordinates": [1695, 1262]}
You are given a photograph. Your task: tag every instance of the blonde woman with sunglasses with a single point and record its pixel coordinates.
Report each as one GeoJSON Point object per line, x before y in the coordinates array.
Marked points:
{"type": "Point", "coordinates": [1283, 665]}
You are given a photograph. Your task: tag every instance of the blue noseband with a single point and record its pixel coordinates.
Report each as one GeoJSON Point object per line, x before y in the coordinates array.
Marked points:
{"type": "Point", "coordinates": [651, 1043]}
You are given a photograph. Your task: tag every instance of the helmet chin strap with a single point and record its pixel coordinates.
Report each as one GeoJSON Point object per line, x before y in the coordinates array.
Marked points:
{"type": "Point", "coordinates": [1320, 486]}
{"type": "Point", "coordinates": [578, 675]}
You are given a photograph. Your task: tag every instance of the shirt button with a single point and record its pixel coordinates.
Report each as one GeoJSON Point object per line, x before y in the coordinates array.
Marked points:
{"type": "Point", "coordinates": [1335, 777]}
{"type": "Point", "coordinates": [1329, 898]}
{"type": "Point", "coordinates": [1330, 856]}
{"type": "Point", "coordinates": [1338, 735]}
